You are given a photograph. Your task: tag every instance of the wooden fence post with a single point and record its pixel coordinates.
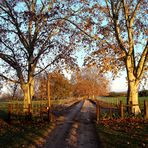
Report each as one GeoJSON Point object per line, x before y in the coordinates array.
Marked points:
{"type": "Point", "coordinates": [29, 112]}
{"type": "Point", "coordinates": [121, 110]}
{"type": "Point", "coordinates": [145, 109]}
{"type": "Point", "coordinates": [117, 101]}
{"type": "Point", "coordinates": [16, 109]}
{"type": "Point", "coordinates": [48, 114]}
{"type": "Point", "coordinates": [131, 103]}
{"type": "Point", "coordinates": [49, 98]}
{"type": "Point", "coordinates": [97, 111]}
{"type": "Point", "coordinates": [110, 112]}
{"type": "Point", "coordinates": [9, 112]}
{"type": "Point", "coordinates": [28, 108]}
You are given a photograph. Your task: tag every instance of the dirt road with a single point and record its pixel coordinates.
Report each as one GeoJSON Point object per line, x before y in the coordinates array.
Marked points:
{"type": "Point", "coordinates": [76, 129]}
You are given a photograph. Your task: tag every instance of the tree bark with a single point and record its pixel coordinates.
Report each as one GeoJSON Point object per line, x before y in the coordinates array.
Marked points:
{"type": "Point", "coordinates": [28, 90]}
{"type": "Point", "coordinates": [27, 100]}
{"type": "Point", "coordinates": [133, 97]}
{"type": "Point", "coordinates": [133, 83]}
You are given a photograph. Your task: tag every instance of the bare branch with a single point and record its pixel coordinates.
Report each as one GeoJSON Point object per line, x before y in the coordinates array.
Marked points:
{"type": "Point", "coordinates": [135, 10]}
{"type": "Point", "coordinates": [8, 79]}
{"type": "Point", "coordinates": [117, 28]}
{"type": "Point", "coordinates": [142, 62]}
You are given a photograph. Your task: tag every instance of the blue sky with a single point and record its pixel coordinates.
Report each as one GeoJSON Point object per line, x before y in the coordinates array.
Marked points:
{"type": "Point", "coordinates": [119, 84]}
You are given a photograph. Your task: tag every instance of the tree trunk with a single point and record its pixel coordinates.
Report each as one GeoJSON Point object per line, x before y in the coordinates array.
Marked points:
{"type": "Point", "coordinates": [27, 99]}
{"type": "Point", "coordinates": [28, 90]}
{"type": "Point", "coordinates": [133, 97]}
{"type": "Point", "coordinates": [133, 83]}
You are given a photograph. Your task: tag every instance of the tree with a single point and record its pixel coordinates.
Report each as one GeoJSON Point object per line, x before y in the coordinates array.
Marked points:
{"type": "Point", "coordinates": [31, 40]}
{"type": "Point", "coordinates": [60, 87]}
{"type": "Point", "coordinates": [42, 87]}
{"type": "Point", "coordinates": [120, 31]}
{"type": "Point", "coordinates": [88, 82]}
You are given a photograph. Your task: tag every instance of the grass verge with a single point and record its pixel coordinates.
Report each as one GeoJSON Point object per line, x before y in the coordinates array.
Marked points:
{"type": "Point", "coordinates": [24, 134]}
{"type": "Point", "coordinates": [125, 133]}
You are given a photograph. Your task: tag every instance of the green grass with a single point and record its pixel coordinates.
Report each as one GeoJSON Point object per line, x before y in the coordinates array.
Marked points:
{"type": "Point", "coordinates": [4, 104]}
{"type": "Point", "coordinates": [127, 133]}
{"type": "Point", "coordinates": [116, 100]}
{"type": "Point", "coordinates": [19, 114]}
{"type": "Point", "coordinates": [23, 134]}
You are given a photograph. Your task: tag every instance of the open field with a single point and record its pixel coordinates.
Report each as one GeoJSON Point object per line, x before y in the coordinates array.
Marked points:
{"type": "Point", "coordinates": [4, 104]}
{"type": "Point", "coordinates": [116, 100]}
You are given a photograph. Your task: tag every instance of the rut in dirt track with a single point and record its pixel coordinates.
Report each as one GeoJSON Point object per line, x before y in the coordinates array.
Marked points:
{"type": "Point", "coordinates": [77, 130]}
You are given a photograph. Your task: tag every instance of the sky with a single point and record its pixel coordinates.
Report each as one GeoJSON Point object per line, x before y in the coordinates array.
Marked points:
{"type": "Point", "coordinates": [119, 84]}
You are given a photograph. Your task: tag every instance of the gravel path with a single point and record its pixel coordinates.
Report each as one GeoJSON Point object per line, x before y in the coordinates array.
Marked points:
{"type": "Point", "coordinates": [76, 130]}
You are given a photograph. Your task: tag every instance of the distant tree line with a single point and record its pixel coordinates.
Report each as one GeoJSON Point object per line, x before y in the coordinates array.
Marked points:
{"type": "Point", "coordinates": [142, 93]}
{"type": "Point", "coordinates": [84, 83]}
{"type": "Point", "coordinates": [117, 94]}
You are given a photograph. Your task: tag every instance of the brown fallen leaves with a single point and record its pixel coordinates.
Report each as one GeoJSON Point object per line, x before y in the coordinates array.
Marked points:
{"type": "Point", "coordinates": [131, 129]}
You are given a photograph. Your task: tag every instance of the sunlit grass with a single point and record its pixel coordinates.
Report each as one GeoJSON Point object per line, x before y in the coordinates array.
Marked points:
{"type": "Point", "coordinates": [4, 104]}
{"type": "Point", "coordinates": [116, 100]}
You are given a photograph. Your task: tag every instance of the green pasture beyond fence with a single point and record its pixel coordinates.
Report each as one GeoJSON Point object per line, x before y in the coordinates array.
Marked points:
{"type": "Point", "coordinates": [4, 104]}
{"type": "Point", "coordinates": [116, 100]}
{"type": "Point", "coordinates": [116, 107]}
{"type": "Point", "coordinates": [14, 109]}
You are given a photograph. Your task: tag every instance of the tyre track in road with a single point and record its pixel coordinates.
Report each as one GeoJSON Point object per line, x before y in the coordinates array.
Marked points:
{"type": "Point", "coordinates": [77, 130]}
{"type": "Point", "coordinates": [83, 133]}
{"type": "Point", "coordinates": [57, 139]}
